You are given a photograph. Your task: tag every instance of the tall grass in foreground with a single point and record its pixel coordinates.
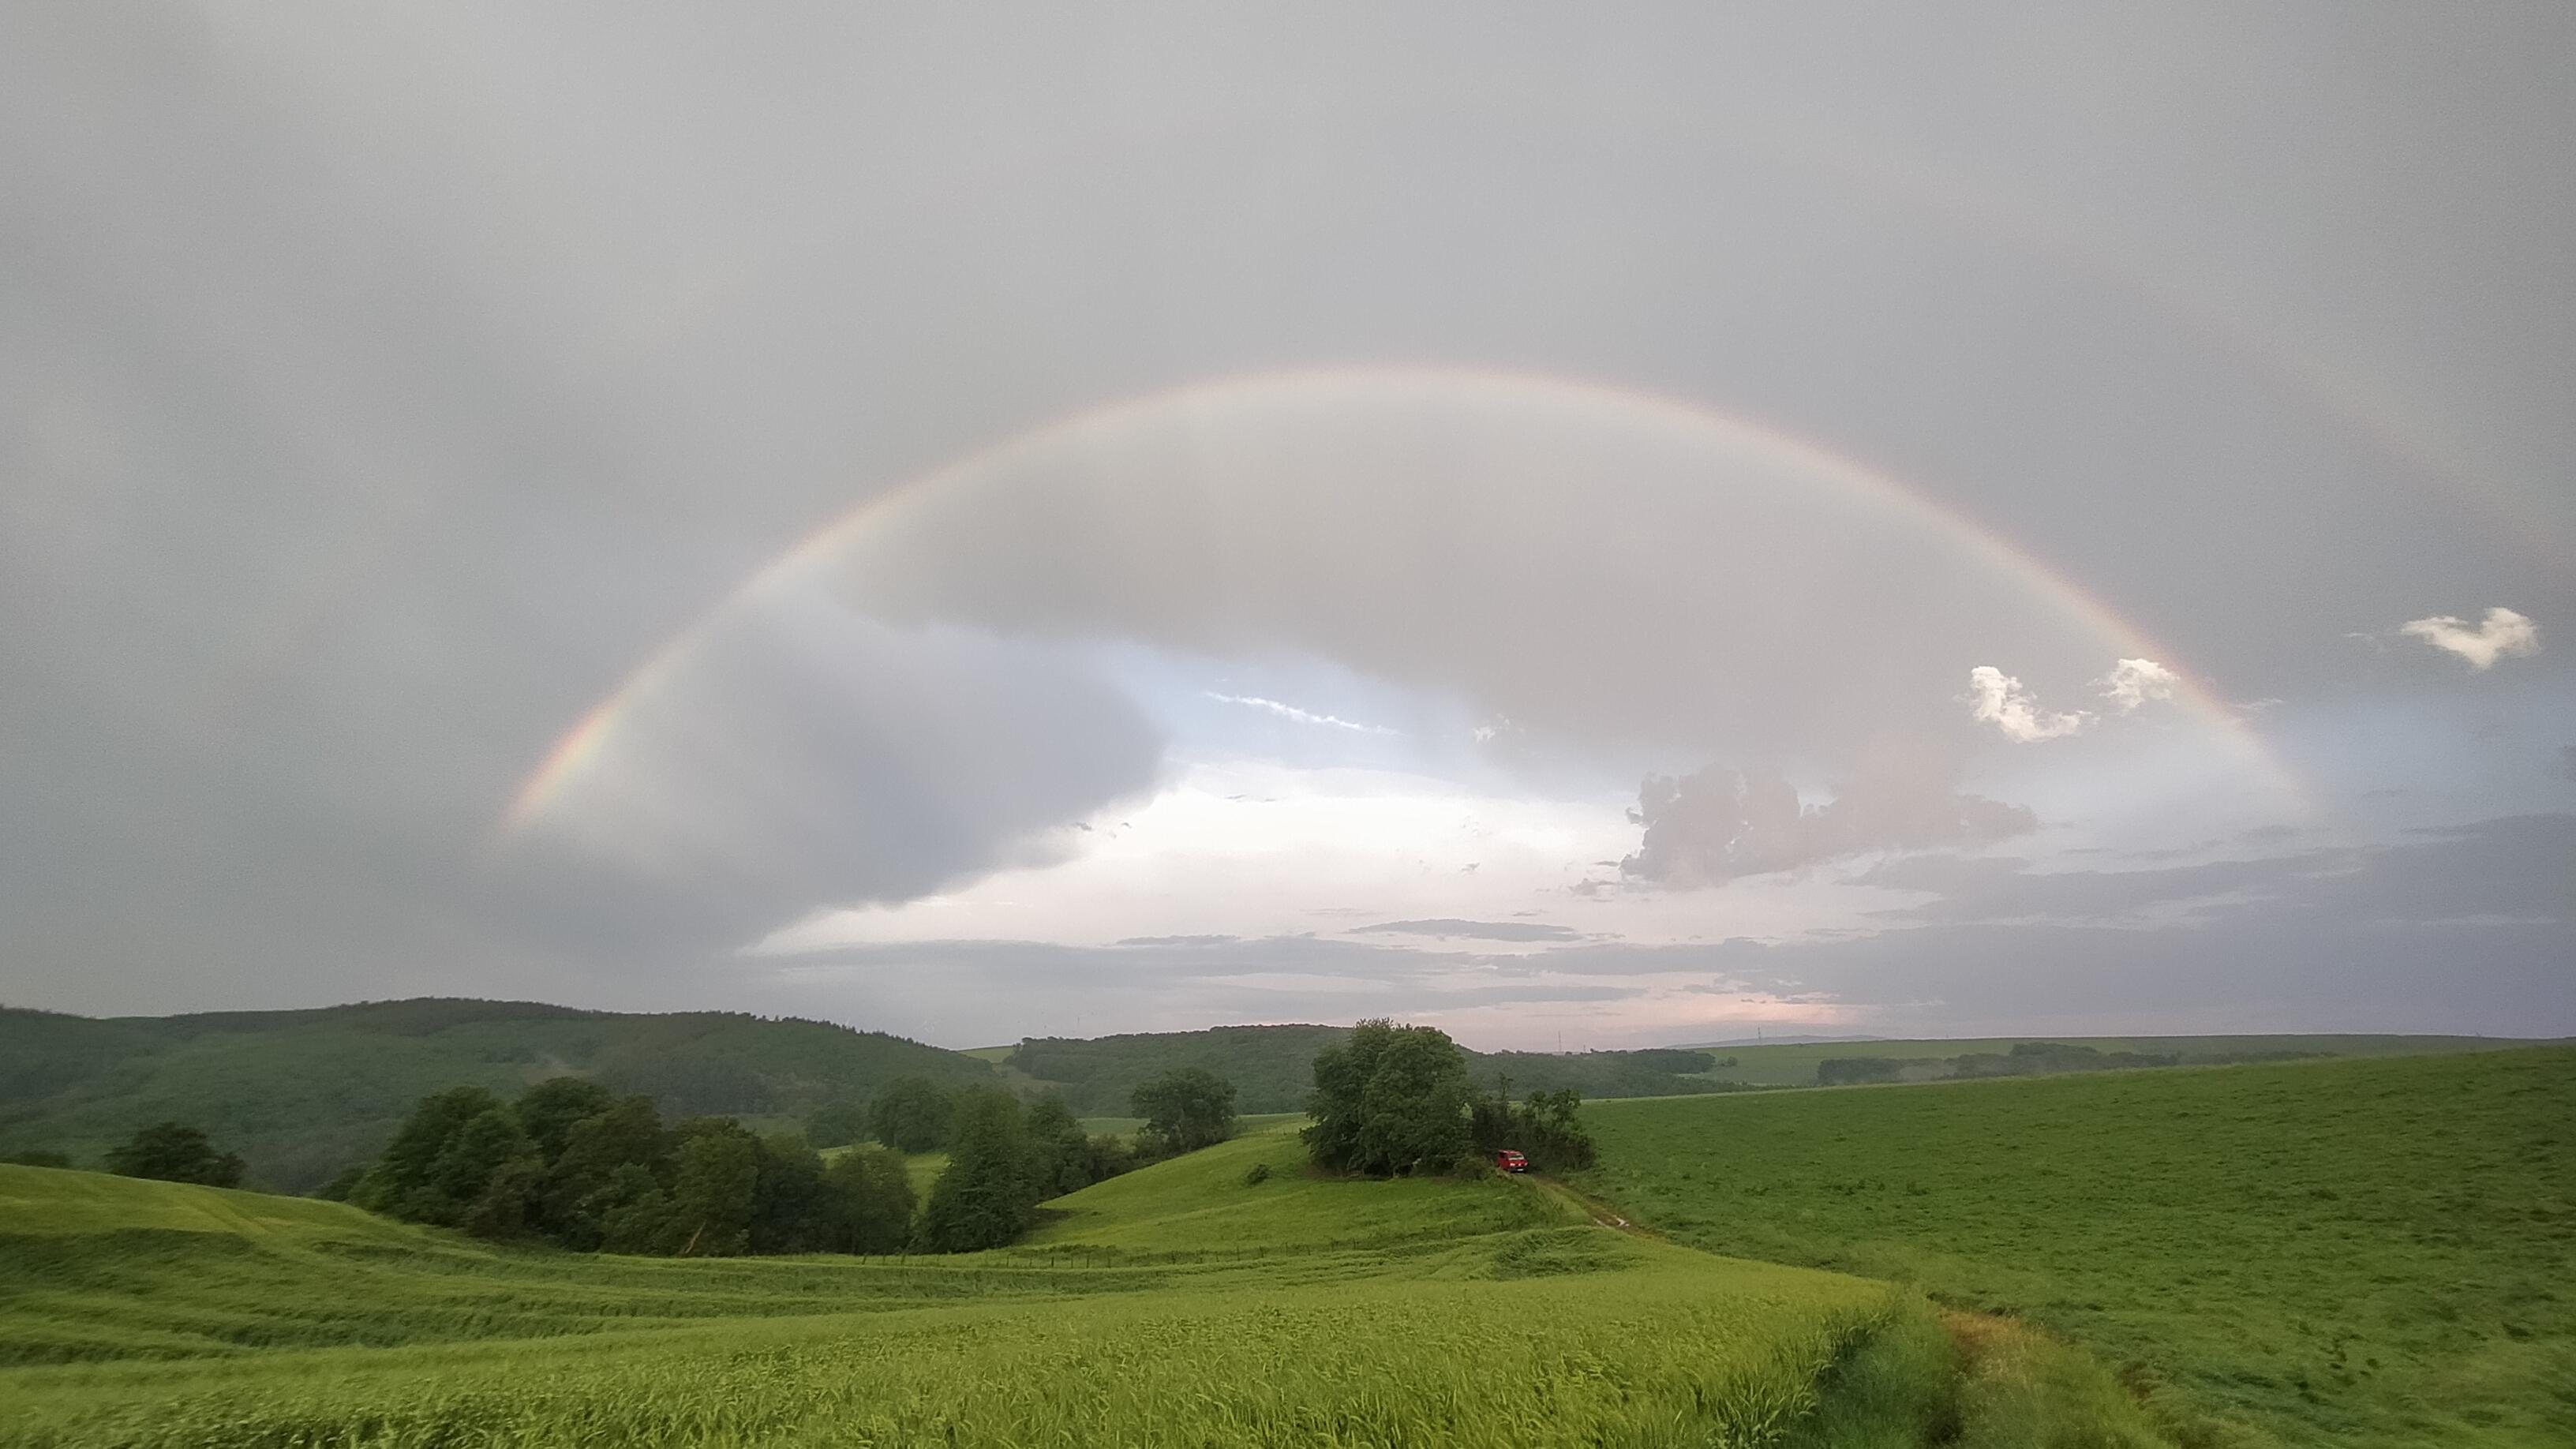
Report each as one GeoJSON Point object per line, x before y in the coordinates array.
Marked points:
{"type": "Point", "coordinates": [1649, 1355]}
{"type": "Point", "coordinates": [1298, 1311]}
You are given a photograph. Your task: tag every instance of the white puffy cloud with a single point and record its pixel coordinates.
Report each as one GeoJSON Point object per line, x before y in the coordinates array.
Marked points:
{"type": "Point", "coordinates": [1998, 699]}
{"type": "Point", "coordinates": [2133, 682]}
{"type": "Point", "coordinates": [2001, 700]}
{"type": "Point", "coordinates": [2503, 632]}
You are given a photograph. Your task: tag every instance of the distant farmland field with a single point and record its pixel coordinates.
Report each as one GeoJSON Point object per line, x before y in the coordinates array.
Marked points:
{"type": "Point", "coordinates": [2377, 1252]}
{"type": "Point", "coordinates": [1793, 1064]}
{"type": "Point", "coordinates": [1179, 1305]}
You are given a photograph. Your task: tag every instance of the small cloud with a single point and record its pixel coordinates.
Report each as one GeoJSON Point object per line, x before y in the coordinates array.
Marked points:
{"type": "Point", "coordinates": [2133, 682]}
{"type": "Point", "coordinates": [1478, 930]}
{"type": "Point", "coordinates": [1301, 716]}
{"type": "Point", "coordinates": [2501, 634]}
{"type": "Point", "coordinates": [1998, 699]}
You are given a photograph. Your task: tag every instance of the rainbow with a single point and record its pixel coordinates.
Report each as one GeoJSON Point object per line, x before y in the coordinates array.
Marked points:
{"type": "Point", "coordinates": [597, 731]}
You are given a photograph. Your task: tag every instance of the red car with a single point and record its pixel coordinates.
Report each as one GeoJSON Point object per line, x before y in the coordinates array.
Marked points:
{"type": "Point", "coordinates": [1509, 1161]}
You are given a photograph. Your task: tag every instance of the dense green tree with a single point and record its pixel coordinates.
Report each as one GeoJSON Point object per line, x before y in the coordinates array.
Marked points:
{"type": "Point", "coordinates": [912, 1114]}
{"type": "Point", "coordinates": [631, 1212]}
{"type": "Point", "coordinates": [868, 1202]}
{"type": "Point", "coordinates": [479, 1149]}
{"type": "Point", "coordinates": [1186, 1108]}
{"type": "Point", "coordinates": [1060, 1158]}
{"type": "Point", "coordinates": [837, 1124]}
{"type": "Point", "coordinates": [1546, 1128]}
{"type": "Point", "coordinates": [588, 1178]}
{"type": "Point", "coordinates": [715, 1184]}
{"type": "Point", "coordinates": [791, 1208]}
{"type": "Point", "coordinates": [405, 1180]}
{"type": "Point", "coordinates": [175, 1152]}
{"type": "Point", "coordinates": [549, 1111]}
{"type": "Point", "coordinates": [1110, 1155]}
{"type": "Point", "coordinates": [987, 1196]}
{"type": "Point", "coordinates": [1391, 1100]}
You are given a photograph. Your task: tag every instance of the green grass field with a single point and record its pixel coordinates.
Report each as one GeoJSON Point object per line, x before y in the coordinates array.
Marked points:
{"type": "Point", "coordinates": [1178, 1305]}
{"type": "Point", "coordinates": [2371, 1252]}
{"type": "Point", "coordinates": [1794, 1064]}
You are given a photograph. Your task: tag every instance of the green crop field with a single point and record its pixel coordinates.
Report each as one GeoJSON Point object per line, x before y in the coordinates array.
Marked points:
{"type": "Point", "coordinates": [1793, 1064]}
{"type": "Point", "coordinates": [2371, 1252]}
{"type": "Point", "coordinates": [1179, 1305]}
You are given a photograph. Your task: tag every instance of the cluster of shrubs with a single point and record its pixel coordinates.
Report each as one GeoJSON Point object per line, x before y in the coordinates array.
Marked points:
{"type": "Point", "coordinates": [1395, 1100]}
{"type": "Point", "coordinates": [569, 1163]}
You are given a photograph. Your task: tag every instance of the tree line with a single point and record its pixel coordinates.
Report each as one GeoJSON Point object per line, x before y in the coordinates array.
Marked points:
{"type": "Point", "coordinates": [569, 1163]}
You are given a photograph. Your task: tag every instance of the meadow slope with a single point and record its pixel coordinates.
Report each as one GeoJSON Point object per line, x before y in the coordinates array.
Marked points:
{"type": "Point", "coordinates": [2359, 1252]}
{"type": "Point", "coordinates": [1179, 1305]}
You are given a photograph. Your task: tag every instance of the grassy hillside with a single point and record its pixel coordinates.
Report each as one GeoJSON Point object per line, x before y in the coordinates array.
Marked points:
{"type": "Point", "coordinates": [1272, 1066]}
{"type": "Point", "coordinates": [2367, 1252]}
{"type": "Point", "coordinates": [1180, 1305]}
{"type": "Point", "coordinates": [300, 1094]}
{"type": "Point", "coordinates": [1777, 1064]}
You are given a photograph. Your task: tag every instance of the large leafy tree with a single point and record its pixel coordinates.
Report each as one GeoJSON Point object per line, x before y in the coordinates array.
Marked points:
{"type": "Point", "coordinates": [987, 1196]}
{"type": "Point", "coordinates": [549, 1111]}
{"type": "Point", "coordinates": [1393, 1099]}
{"type": "Point", "coordinates": [1060, 1158]}
{"type": "Point", "coordinates": [609, 1160]}
{"type": "Point", "coordinates": [911, 1114]}
{"type": "Point", "coordinates": [715, 1181]}
{"type": "Point", "coordinates": [175, 1152]}
{"type": "Point", "coordinates": [1185, 1108]}
{"type": "Point", "coordinates": [868, 1202]}
{"type": "Point", "coordinates": [837, 1124]}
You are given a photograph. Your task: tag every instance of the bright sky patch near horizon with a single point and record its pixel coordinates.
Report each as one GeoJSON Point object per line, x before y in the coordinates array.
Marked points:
{"type": "Point", "coordinates": [1586, 531]}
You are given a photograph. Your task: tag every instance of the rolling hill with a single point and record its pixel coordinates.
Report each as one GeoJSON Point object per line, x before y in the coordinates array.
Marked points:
{"type": "Point", "coordinates": [301, 1094]}
{"type": "Point", "coordinates": [1184, 1304]}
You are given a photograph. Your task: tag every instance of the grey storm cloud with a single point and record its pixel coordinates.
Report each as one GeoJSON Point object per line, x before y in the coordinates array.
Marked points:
{"type": "Point", "coordinates": [1719, 824]}
{"type": "Point", "coordinates": [2515, 868]}
{"type": "Point", "coordinates": [382, 390]}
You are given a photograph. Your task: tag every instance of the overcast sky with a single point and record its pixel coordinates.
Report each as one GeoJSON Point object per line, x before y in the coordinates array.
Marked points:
{"type": "Point", "coordinates": [1615, 526]}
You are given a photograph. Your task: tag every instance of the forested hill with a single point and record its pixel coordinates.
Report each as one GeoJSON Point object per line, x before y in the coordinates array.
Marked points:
{"type": "Point", "coordinates": [1272, 1066]}
{"type": "Point", "coordinates": [301, 1094]}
